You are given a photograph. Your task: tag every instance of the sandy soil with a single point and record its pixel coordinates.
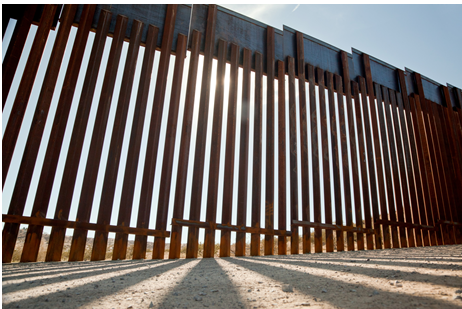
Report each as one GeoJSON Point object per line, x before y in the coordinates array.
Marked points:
{"type": "Point", "coordinates": [428, 277]}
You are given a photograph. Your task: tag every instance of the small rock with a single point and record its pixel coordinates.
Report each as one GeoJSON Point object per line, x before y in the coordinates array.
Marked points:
{"type": "Point", "coordinates": [353, 290]}
{"type": "Point", "coordinates": [249, 290]}
{"type": "Point", "coordinates": [202, 294]}
{"type": "Point", "coordinates": [129, 307]}
{"type": "Point", "coordinates": [399, 285]}
{"type": "Point", "coordinates": [305, 304]}
{"type": "Point", "coordinates": [392, 283]}
{"type": "Point", "coordinates": [175, 294]}
{"type": "Point", "coordinates": [197, 298]}
{"type": "Point", "coordinates": [64, 300]}
{"type": "Point", "coordinates": [457, 297]}
{"type": "Point", "coordinates": [458, 292]}
{"type": "Point", "coordinates": [213, 291]}
{"type": "Point", "coordinates": [151, 305]}
{"type": "Point", "coordinates": [287, 288]}
{"type": "Point", "coordinates": [324, 291]}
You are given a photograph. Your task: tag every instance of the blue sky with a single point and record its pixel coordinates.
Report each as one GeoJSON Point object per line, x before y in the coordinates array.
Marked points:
{"type": "Point", "coordinates": [424, 38]}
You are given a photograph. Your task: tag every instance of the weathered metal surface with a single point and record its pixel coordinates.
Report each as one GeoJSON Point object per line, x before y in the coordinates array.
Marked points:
{"type": "Point", "coordinates": [66, 224]}
{"type": "Point", "coordinates": [282, 163]}
{"type": "Point", "coordinates": [230, 227]}
{"type": "Point", "coordinates": [241, 215]}
{"type": "Point", "coordinates": [329, 226]}
{"type": "Point", "coordinates": [257, 155]}
{"type": "Point", "coordinates": [199, 157]}
{"type": "Point", "coordinates": [24, 90]}
{"type": "Point", "coordinates": [395, 202]}
{"type": "Point", "coordinates": [115, 149]}
{"type": "Point", "coordinates": [225, 241]}
{"type": "Point", "coordinates": [96, 145]}
{"type": "Point", "coordinates": [353, 155]}
{"type": "Point", "coordinates": [372, 196]}
{"type": "Point", "coordinates": [34, 233]}
{"type": "Point", "coordinates": [180, 191]}
{"type": "Point", "coordinates": [305, 184]}
{"type": "Point", "coordinates": [315, 157]}
{"type": "Point", "coordinates": [212, 193]}
{"type": "Point", "coordinates": [270, 106]}
{"type": "Point", "coordinates": [14, 51]}
{"type": "Point", "coordinates": [293, 171]}
{"type": "Point", "coordinates": [345, 170]}
{"type": "Point", "coordinates": [337, 199]}
{"type": "Point", "coordinates": [375, 160]}
{"type": "Point", "coordinates": [71, 166]}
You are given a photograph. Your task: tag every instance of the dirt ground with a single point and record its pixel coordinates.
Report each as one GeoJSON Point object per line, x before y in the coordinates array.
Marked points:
{"type": "Point", "coordinates": [428, 277]}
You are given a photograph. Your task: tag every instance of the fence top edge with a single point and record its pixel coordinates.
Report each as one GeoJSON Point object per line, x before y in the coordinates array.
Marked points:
{"type": "Point", "coordinates": [424, 77]}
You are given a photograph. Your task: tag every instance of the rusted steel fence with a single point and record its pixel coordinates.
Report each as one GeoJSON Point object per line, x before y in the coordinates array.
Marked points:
{"type": "Point", "coordinates": [346, 148]}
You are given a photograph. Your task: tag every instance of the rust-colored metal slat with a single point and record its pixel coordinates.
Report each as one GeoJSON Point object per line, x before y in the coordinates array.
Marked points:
{"type": "Point", "coordinates": [199, 157]}
{"type": "Point", "coordinates": [179, 201]}
{"type": "Point", "coordinates": [115, 149]}
{"type": "Point", "coordinates": [375, 161]}
{"type": "Point", "coordinates": [156, 117]}
{"type": "Point", "coordinates": [282, 182]}
{"type": "Point", "coordinates": [71, 166]}
{"type": "Point", "coordinates": [305, 185]}
{"type": "Point", "coordinates": [409, 194]}
{"type": "Point", "coordinates": [257, 155]}
{"type": "Point", "coordinates": [243, 153]}
{"type": "Point", "coordinates": [353, 155]}
{"type": "Point", "coordinates": [34, 233]}
{"type": "Point", "coordinates": [13, 54]}
{"type": "Point", "coordinates": [395, 202]}
{"type": "Point", "coordinates": [61, 115]}
{"type": "Point", "coordinates": [269, 192]}
{"type": "Point", "coordinates": [346, 172]}
{"type": "Point", "coordinates": [128, 188]}
{"type": "Point", "coordinates": [362, 159]}
{"type": "Point", "coordinates": [225, 241]}
{"type": "Point", "coordinates": [414, 172]}
{"type": "Point", "coordinates": [432, 212]}
{"type": "Point", "coordinates": [370, 160]}
{"type": "Point", "coordinates": [293, 156]}
{"type": "Point", "coordinates": [25, 87]}
{"type": "Point", "coordinates": [325, 160]}
{"type": "Point", "coordinates": [96, 145]}
{"type": "Point", "coordinates": [430, 133]}
{"type": "Point", "coordinates": [315, 157]}
{"type": "Point", "coordinates": [448, 169]}
{"type": "Point", "coordinates": [382, 98]}
{"type": "Point", "coordinates": [212, 193]}
{"type": "Point", "coordinates": [167, 165]}
{"type": "Point", "coordinates": [337, 201]}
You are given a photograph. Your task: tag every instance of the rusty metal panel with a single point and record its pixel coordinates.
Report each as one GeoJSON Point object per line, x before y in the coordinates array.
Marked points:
{"type": "Point", "coordinates": [305, 185]}
{"type": "Point", "coordinates": [370, 160]}
{"type": "Point", "coordinates": [96, 145]}
{"type": "Point", "coordinates": [269, 192]}
{"type": "Point", "coordinates": [199, 157]}
{"type": "Point", "coordinates": [212, 193]}
{"type": "Point", "coordinates": [337, 200]}
{"type": "Point", "coordinates": [293, 155]}
{"type": "Point", "coordinates": [179, 201]}
{"type": "Point", "coordinates": [115, 149]}
{"type": "Point", "coordinates": [75, 146]}
{"type": "Point", "coordinates": [148, 14]}
{"type": "Point", "coordinates": [13, 54]}
{"type": "Point", "coordinates": [395, 201]}
{"type": "Point", "coordinates": [257, 155]}
{"type": "Point", "coordinates": [34, 233]}
{"type": "Point", "coordinates": [315, 157]}
{"type": "Point", "coordinates": [24, 90]}
{"type": "Point", "coordinates": [243, 154]}
{"type": "Point", "coordinates": [282, 161]}
{"type": "Point", "coordinates": [225, 241]}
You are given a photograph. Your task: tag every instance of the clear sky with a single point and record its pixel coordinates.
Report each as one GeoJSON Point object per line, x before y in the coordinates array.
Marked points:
{"type": "Point", "coordinates": [424, 38]}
